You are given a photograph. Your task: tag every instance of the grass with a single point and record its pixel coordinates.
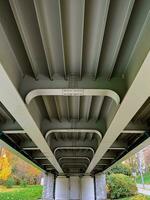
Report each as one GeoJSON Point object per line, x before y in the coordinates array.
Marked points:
{"type": "Point", "coordinates": [137, 197]}
{"type": "Point", "coordinates": [35, 192]}
{"type": "Point", "coordinates": [146, 178]}
{"type": "Point", "coordinates": [19, 193]}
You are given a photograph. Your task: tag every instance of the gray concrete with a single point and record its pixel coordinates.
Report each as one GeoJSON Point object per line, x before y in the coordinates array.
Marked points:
{"type": "Point", "coordinates": [62, 188]}
{"type": "Point", "coordinates": [48, 188]}
{"type": "Point", "coordinates": [100, 183]}
{"type": "Point", "coordinates": [74, 188]}
{"type": "Point", "coordinates": [145, 190]}
{"type": "Point", "coordinates": [146, 187]}
{"type": "Point", "coordinates": [87, 188]}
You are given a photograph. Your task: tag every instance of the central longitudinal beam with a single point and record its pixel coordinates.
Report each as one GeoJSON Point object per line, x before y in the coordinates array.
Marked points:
{"type": "Point", "coordinates": [11, 99]}
{"type": "Point", "coordinates": [30, 88]}
{"type": "Point", "coordinates": [72, 92]}
{"type": "Point", "coordinates": [80, 126]}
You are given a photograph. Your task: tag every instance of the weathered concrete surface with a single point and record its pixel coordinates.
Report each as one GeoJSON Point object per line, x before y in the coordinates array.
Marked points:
{"type": "Point", "coordinates": [48, 188]}
{"type": "Point", "coordinates": [62, 188]}
{"type": "Point", "coordinates": [87, 188]}
{"type": "Point", "coordinates": [100, 183]}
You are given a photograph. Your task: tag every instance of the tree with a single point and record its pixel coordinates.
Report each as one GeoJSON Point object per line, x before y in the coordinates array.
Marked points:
{"type": "Point", "coordinates": [22, 170]}
{"type": "Point", "coordinates": [139, 157]}
{"type": "Point", "coordinates": [132, 162]}
{"type": "Point", "coordinates": [13, 166]}
{"type": "Point", "coordinates": [5, 167]}
{"type": "Point", "coordinates": [120, 169]}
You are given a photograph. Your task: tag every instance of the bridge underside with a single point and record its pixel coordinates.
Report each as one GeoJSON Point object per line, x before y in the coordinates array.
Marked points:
{"type": "Point", "coordinates": [75, 82]}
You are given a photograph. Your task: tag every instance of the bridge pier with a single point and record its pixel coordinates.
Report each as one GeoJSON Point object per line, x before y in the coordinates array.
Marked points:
{"type": "Point", "coordinates": [48, 187]}
{"type": "Point", "coordinates": [87, 188]}
{"type": "Point", "coordinates": [62, 188]}
{"type": "Point", "coordinates": [100, 186]}
{"type": "Point", "coordinates": [74, 187]}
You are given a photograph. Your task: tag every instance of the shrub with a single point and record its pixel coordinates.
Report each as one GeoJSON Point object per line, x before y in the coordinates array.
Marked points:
{"type": "Point", "coordinates": [120, 185]}
{"type": "Point", "coordinates": [16, 179]}
{"type": "Point", "coordinates": [120, 169]}
{"type": "Point", "coordinates": [23, 183]}
{"type": "Point", "coordinates": [10, 182]}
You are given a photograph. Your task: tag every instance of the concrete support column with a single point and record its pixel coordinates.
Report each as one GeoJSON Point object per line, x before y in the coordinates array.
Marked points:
{"type": "Point", "coordinates": [75, 190]}
{"type": "Point", "coordinates": [87, 188]}
{"type": "Point", "coordinates": [62, 188]}
{"type": "Point", "coordinates": [48, 188]}
{"type": "Point", "coordinates": [100, 184]}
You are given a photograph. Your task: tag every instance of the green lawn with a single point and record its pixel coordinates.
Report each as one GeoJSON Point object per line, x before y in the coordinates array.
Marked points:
{"type": "Point", "coordinates": [18, 193]}
{"type": "Point", "coordinates": [137, 197]}
{"type": "Point", "coordinates": [146, 178]}
{"type": "Point", "coordinates": [35, 192]}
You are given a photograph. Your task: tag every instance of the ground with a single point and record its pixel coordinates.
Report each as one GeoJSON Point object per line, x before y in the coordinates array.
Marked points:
{"type": "Point", "coordinates": [35, 193]}
{"type": "Point", "coordinates": [146, 178]}
{"type": "Point", "coordinates": [137, 197]}
{"type": "Point", "coordinates": [18, 193]}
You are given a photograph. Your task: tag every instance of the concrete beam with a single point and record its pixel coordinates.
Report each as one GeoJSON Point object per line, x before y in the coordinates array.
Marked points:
{"type": "Point", "coordinates": [43, 162]}
{"type": "Point", "coordinates": [118, 145]}
{"type": "Point", "coordinates": [74, 148]}
{"type": "Point", "coordinates": [135, 97]}
{"type": "Point", "coordinates": [30, 148]}
{"type": "Point", "coordinates": [74, 165]}
{"type": "Point", "coordinates": [11, 99]}
{"type": "Point", "coordinates": [30, 87]}
{"type": "Point", "coordinates": [100, 125]}
{"type": "Point", "coordinates": [27, 23]}
{"type": "Point", "coordinates": [108, 158]}
{"type": "Point", "coordinates": [47, 126]}
{"type": "Point", "coordinates": [51, 34]}
{"type": "Point", "coordinates": [132, 152]}
{"type": "Point", "coordinates": [72, 92]}
{"type": "Point", "coordinates": [72, 131]}
{"type": "Point", "coordinates": [23, 156]}
{"type": "Point", "coordinates": [74, 157]}
{"type": "Point", "coordinates": [105, 162]}
{"type": "Point", "coordinates": [11, 127]}
{"type": "Point", "coordinates": [110, 154]}
{"type": "Point", "coordinates": [137, 126]}
{"type": "Point", "coordinates": [13, 131]}
{"type": "Point", "coordinates": [117, 148]}
{"type": "Point", "coordinates": [133, 131]}
{"type": "Point", "coordinates": [40, 158]}
{"type": "Point", "coordinates": [83, 153]}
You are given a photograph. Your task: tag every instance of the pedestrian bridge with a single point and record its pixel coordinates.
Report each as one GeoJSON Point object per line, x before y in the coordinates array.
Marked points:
{"type": "Point", "coordinates": [75, 87]}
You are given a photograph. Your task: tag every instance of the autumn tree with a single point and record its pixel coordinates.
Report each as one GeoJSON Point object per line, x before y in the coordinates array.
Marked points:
{"type": "Point", "coordinates": [11, 164]}
{"type": "Point", "coordinates": [22, 170]}
{"type": "Point", "coordinates": [5, 167]}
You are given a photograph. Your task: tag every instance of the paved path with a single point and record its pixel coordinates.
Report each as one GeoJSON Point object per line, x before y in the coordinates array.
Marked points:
{"type": "Point", "coordinates": [147, 187]}
{"type": "Point", "coordinates": [145, 190]}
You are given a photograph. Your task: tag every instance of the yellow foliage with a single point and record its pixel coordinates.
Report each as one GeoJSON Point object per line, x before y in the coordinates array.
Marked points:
{"type": "Point", "coordinates": [10, 164]}
{"type": "Point", "coordinates": [5, 168]}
